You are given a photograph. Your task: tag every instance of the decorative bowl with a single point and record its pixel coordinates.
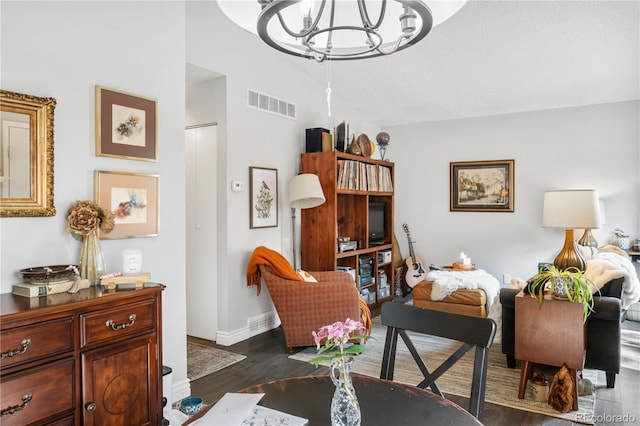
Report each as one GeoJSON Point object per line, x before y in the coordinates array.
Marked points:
{"type": "Point", "coordinates": [191, 405]}
{"type": "Point", "coordinates": [48, 274]}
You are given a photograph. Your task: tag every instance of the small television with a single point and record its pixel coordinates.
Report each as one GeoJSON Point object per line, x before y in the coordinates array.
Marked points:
{"type": "Point", "coordinates": [377, 223]}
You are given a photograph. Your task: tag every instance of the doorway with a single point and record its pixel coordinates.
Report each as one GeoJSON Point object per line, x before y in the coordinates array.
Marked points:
{"type": "Point", "coordinates": [201, 233]}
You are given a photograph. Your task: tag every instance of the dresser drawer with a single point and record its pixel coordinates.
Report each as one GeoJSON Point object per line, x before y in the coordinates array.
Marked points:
{"type": "Point", "coordinates": [125, 320]}
{"type": "Point", "coordinates": [34, 341]}
{"type": "Point", "coordinates": [67, 421]}
{"type": "Point", "coordinates": [48, 389]}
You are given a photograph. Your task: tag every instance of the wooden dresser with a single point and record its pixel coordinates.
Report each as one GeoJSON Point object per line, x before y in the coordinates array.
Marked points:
{"type": "Point", "coordinates": [90, 358]}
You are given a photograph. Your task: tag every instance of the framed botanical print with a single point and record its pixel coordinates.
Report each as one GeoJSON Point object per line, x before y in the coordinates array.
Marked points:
{"type": "Point", "coordinates": [263, 202]}
{"type": "Point", "coordinates": [133, 199]}
{"type": "Point", "coordinates": [482, 186]}
{"type": "Point", "coordinates": [126, 125]}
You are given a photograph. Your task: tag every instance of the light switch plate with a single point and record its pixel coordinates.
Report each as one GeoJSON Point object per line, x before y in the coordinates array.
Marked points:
{"type": "Point", "coordinates": [237, 185]}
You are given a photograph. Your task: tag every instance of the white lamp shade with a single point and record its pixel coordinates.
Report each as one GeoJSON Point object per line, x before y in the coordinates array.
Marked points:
{"type": "Point", "coordinates": [572, 208]}
{"type": "Point", "coordinates": [305, 191]}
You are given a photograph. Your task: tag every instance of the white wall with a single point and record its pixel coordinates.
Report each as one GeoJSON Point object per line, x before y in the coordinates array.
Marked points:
{"type": "Point", "coordinates": [62, 50]}
{"type": "Point", "coordinates": [595, 147]}
{"type": "Point", "coordinates": [254, 138]}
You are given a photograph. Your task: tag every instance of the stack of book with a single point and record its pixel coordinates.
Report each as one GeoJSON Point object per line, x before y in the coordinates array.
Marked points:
{"type": "Point", "coordinates": [364, 177]}
{"type": "Point", "coordinates": [45, 289]}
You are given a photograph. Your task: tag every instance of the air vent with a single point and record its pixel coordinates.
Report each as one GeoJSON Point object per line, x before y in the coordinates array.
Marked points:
{"type": "Point", "coordinates": [271, 104]}
{"type": "Point", "coordinates": [261, 323]}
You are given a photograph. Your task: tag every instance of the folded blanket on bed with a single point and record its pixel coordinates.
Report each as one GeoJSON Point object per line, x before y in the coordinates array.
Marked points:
{"type": "Point", "coordinates": [446, 282]}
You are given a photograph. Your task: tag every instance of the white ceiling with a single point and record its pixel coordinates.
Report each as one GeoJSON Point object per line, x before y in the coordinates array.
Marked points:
{"type": "Point", "coordinates": [498, 57]}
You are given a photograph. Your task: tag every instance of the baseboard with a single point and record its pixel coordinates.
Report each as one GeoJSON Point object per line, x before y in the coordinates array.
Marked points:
{"type": "Point", "coordinates": [180, 390]}
{"type": "Point", "coordinates": [228, 338]}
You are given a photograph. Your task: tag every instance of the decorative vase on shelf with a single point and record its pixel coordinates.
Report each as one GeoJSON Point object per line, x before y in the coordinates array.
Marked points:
{"type": "Point", "coordinates": [624, 243]}
{"type": "Point", "coordinates": [91, 259]}
{"type": "Point", "coordinates": [345, 409]}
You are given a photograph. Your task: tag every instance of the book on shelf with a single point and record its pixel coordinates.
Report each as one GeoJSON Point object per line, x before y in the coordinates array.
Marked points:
{"type": "Point", "coordinates": [357, 175]}
{"type": "Point", "coordinates": [37, 290]}
{"type": "Point", "coordinates": [384, 182]}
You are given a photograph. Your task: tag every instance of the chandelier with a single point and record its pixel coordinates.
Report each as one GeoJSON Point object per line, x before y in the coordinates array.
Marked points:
{"type": "Point", "coordinates": [339, 29]}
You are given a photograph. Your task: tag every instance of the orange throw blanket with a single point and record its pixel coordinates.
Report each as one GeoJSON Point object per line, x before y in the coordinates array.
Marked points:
{"type": "Point", "coordinates": [278, 263]}
{"type": "Point", "coordinates": [365, 315]}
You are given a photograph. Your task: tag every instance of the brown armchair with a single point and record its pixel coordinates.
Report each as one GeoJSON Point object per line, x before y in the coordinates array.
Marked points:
{"type": "Point", "coordinates": [304, 307]}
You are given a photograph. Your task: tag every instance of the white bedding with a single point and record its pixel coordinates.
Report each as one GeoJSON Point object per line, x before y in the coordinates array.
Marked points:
{"type": "Point", "coordinates": [604, 266]}
{"type": "Point", "coordinates": [446, 282]}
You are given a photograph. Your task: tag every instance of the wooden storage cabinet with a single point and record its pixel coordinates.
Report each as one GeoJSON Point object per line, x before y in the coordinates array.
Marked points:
{"type": "Point", "coordinates": [345, 214]}
{"type": "Point", "coordinates": [116, 385]}
{"type": "Point", "coordinates": [91, 358]}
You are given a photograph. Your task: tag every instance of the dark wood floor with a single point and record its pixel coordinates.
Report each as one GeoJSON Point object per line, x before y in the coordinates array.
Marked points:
{"type": "Point", "coordinates": [267, 360]}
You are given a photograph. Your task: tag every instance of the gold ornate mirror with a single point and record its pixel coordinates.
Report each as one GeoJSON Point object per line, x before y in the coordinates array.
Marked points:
{"type": "Point", "coordinates": [26, 155]}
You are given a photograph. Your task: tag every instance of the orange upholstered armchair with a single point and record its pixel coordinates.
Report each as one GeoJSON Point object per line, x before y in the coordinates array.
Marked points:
{"type": "Point", "coordinates": [304, 307]}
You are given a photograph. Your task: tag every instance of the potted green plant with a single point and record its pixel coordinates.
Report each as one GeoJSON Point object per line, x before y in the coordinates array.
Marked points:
{"type": "Point", "coordinates": [569, 283]}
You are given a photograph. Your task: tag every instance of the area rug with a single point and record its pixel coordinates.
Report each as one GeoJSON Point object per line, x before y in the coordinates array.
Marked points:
{"type": "Point", "coordinates": [502, 382]}
{"type": "Point", "coordinates": [630, 349]}
{"type": "Point", "coordinates": [203, 360]}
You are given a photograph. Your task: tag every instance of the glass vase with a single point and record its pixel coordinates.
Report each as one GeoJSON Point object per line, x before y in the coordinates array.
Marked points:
{"type": "Point", "coordinates": [345, 409]}
{"type": "Point", "coordinates": [91, 261]}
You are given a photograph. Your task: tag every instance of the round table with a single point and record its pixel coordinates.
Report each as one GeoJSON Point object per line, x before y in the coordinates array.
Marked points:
{"type": "Point", "coordinates": [382, 402]}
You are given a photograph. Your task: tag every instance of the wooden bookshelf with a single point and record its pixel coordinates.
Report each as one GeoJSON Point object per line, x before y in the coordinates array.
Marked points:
{"type": "Point", "coordinates": [350, 183]}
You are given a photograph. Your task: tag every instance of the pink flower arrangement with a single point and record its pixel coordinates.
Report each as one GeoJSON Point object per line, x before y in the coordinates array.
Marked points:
{"type": "Point", "coordinates": [336, 339]}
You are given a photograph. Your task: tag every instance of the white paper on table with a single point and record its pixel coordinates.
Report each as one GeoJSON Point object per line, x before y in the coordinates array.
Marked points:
{"type": "Point", "coordinates": [230, 410]}
{"type": "Point", "coordinates": [267, 416]}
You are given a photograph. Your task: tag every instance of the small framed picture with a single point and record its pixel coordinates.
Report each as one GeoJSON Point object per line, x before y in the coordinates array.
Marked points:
{"type": "Point", "coordinates": [126, 125]}
{"type": "Point", "coordinates": [133, 199]}
{"type": "Point", "coordinates": [482, 186]}
{"type": "Point", "coordinates": [263, 202]}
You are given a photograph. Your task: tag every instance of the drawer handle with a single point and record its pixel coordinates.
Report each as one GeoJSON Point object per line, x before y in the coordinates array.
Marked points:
{"type": "Point", "coordinates": [25, 344]}
{"type": "Point", "coordinates": [114, 326]}
{"type": "Point", "coordinates": [91, 407]}
{"type": "Point", "coordinates": [25, 400]}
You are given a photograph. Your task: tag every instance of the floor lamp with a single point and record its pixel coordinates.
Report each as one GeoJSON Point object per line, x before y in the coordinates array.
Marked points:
{"type": "Point", "coordinates": [570, 209]}
{"type": "Point", "coordinates": [305, 192]}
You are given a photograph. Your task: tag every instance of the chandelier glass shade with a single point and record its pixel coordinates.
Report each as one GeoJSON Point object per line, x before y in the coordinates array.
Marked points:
{"type": "Point", "coordinates": [339, 29]}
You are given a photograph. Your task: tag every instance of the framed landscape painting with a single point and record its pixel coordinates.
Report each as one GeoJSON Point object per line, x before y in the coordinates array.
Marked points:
{"type": "Point", "coordinates": [482, 186]}
{"type": "Point", "coordinates": [126, 125]}
{"type": "Point", "coordinates": [263, 201]}
{"type": "Point", "coordinates": [133, 199]}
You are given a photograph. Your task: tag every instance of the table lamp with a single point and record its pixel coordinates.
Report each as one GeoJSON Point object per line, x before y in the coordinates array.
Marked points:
{"type": "Point", "coordinates": [305, 192]}
{"type": "Point", "coordinates": [570, 209]}
{"type": "Point", "coordinates": [587, 239]}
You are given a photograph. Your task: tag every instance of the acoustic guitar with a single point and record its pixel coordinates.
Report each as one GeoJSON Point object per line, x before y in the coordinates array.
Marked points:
{"type": "Point", "coordinates": [415, 271]}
